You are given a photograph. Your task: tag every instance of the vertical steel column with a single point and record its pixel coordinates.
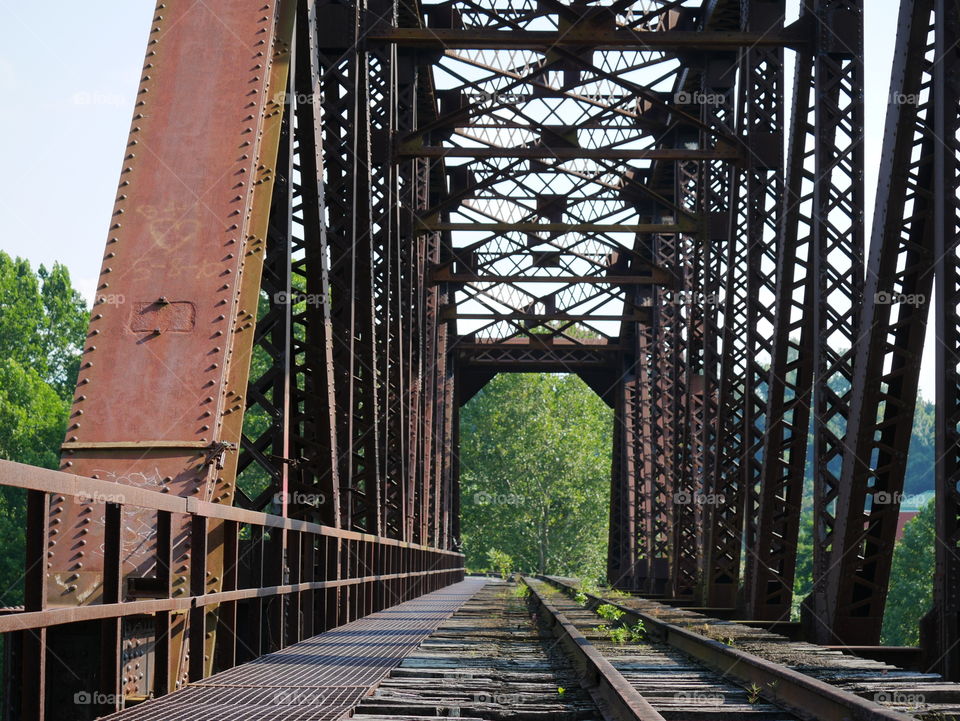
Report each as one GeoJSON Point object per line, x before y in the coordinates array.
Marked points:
{"type": "Point", "coordinates": [670, 387]}
{"type": "Point", "coordinates": [178, 288]}
{"type": "Point", "coordinates": [887, 364]}
{"type": "Point", "coordinates": [365, 479]}
{"type": "Point", "coordinates": [749, 293]}
{"type": "Point", "coordinates": [314, 394]}
{"type": "Point", "coordinates": [689, 512]}
{"type": "Point", "coordinates": [659, 410]}
{"type": "Point", "coordinates": [386, 274]}
{"type": "Point", "coordinates": [728, 473]}
{"type": "Point", "coordinates": [336, 118]}
{"type": "Point", "coordinates": [622, 548]}
{"type": "Point", "coordinates": [946, 103]}
{"type": "Point", "coordinates": [652, 503]}
{"type": "Point", "coordinates": [719, 546]}
{"type": "Point", "coordinates": [838, 265]}
{"type": "Point", "coordinates": [412, 181]}
{"type": "Point", "coordinates": [762, 131]}
{"type": "Point", "coordinates": [769, 587]}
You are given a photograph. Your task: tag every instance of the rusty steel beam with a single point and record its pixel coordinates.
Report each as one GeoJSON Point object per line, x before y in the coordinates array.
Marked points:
{"type": "Point", "coordinates": [654, 278]}
{"type": "Point", "coordinates": [310, 270]}
{"type": "Point", "coordinates": [431, 226]}
{"type": "Point", "coordinates": [177, 289]}
{"type": "Point", "coordinates": [897, 294]}
{"type": "Point", "coordinates": [942, 628]}
{"type": "Point", "coordinates": [837, 266]}
{"type": "Point", "coordinates": [768, 590]}
{"type": "Point", "coordinates": [599, 38]}
{"type": "Point", "coordinates": [424, 151]}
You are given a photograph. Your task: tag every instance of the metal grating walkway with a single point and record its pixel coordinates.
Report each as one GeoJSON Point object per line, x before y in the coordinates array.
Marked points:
{"type": "Point", "coordinates": [317, 679]}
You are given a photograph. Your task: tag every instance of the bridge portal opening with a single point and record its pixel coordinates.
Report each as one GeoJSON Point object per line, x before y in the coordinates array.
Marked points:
{"type": "Point", "coordinates": [535, 464]}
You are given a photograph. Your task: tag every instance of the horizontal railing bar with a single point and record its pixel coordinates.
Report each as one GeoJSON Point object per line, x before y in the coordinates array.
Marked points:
{"type": "Point", "coordinates": [20, 475]}
{"type": "Point", "coordinates": [145, 607]}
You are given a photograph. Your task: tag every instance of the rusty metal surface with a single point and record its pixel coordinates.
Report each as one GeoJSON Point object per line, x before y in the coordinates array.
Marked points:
{"type": "Point", "coordinates": [417, 198]}
{"type": "Point", "coordinates": [802, 694]}
{"type": "Point", "coordinates": [319, 678]}
{"type": "Point", "coordinates": [168, 342]}
{"type": "Point", "coordinates": [161, 334]}
{"type": "Point", "coordinates": [624, 702]}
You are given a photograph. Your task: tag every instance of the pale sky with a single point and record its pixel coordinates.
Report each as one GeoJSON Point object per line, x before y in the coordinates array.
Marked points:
{"type": "Point", "coordinates": [68, 76]}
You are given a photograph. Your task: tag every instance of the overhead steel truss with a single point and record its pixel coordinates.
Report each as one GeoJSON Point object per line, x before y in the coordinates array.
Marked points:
{"type": "Point", "coordinates": [339, 220]}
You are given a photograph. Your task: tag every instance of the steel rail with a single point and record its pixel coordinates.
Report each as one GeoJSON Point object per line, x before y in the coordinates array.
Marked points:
{"type": "Point", "coordinates": [598, 676]}
{"type": "Point", "coordinates": [798, 693]}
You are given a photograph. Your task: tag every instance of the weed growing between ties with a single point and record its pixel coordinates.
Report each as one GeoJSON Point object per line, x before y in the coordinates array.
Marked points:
{"type": "Point", "coordinates": [620, 632]}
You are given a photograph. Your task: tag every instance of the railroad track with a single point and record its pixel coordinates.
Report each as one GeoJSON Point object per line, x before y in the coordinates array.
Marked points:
{"type": "Point", "coordinates": [490, 660]}
{"type": "Point", "coordinates": [813, 681]}
{"type": "Point", "coordinates": [509, 654]}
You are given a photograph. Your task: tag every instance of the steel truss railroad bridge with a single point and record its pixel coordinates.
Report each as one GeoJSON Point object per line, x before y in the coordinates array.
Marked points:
{"type": "Point", "coordinates": [339, 220]}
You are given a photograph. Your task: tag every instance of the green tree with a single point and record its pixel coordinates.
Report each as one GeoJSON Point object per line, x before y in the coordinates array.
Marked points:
{"type": "Point", "coordinates": [803, 576]}
{"type": "Point", "coordinates": [42, 322]}
{"type": "Point", "coordinates": [911, 580]}
{"type": "Point", "coordinates": [535, 474]}
{"type": "Point", "coordinates": [920, 460]}
{"type": "Point", "coordinates": [42, 325]}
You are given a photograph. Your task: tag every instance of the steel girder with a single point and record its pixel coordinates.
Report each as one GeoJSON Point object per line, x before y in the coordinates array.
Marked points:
{"type": "Point", "coordinates": [769, 586]}
{"type": "Point", "coordinates": [170, 340]}
{"type": "Point", "coordinates": [756, 189]}
{"type": "Point", "coordinates": [837, 267]}
{"type": "Point", "coordinates": [464, 188]}
{"type": "Point", "coordinates": [944, 629]}
{"type": "Point", "coordinates": [559, 202]}
{"type": "Point", "coordinates": [264, 319]}
{"type": "Point", "coordinates": [897, 294]}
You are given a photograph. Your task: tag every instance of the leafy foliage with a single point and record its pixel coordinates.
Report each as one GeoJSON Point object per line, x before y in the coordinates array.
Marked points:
{"type": "Point", "coordinates": [535, 474]}
{"type": "Point", "coordinates": [918, 479]}
{"type": "Point", "coordinates": [609, 612]}
{"type": "Point", "coordinates": [42, 322]}
{"type": "Point", "coordinates": [911, 580]}
{"type": "Point", "coordinates": [42, 325]}
{"type": "Point", "coordinates": [501, 562]}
